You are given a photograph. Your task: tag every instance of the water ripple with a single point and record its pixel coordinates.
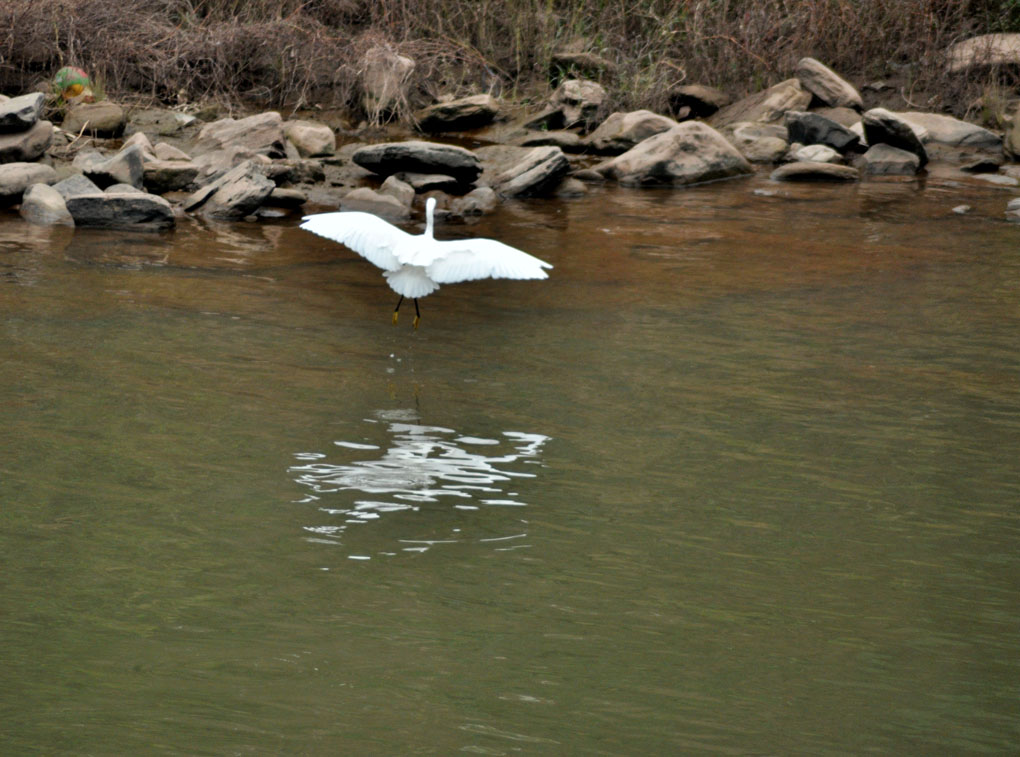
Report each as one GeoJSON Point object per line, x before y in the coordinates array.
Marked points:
{"type": "Point", "coordinates": [420, 465]}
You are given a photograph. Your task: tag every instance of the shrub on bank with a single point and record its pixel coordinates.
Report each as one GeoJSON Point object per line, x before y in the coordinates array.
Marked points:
{"type": "Point", "coordinates": [276, 53]}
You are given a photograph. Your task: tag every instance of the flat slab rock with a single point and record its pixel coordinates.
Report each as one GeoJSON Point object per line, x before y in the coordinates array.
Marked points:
{"type": "Point", "coordinates": [810, 171]}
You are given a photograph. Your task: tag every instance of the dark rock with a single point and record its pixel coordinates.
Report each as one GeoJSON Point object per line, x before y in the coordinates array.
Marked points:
{"type": "Point", "coordinates": [885, 127]}
{"type": "Point", "coordinates": [699, 100]}
{"type": "Point", "coordinates": [419, 157]}
{"type": "Point", "coordinates": [128, 210]}
{"type": "Point", "coordinates": [813, 129]}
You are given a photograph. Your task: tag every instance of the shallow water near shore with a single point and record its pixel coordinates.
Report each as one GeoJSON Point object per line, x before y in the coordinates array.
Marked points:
{"type": "Point", "coordinates": [739, 478]}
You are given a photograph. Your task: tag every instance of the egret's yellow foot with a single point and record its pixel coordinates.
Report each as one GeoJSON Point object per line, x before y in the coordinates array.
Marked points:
{"type": "Point", "coordinates": [416, 319]}
{"type": "Point", "coordinates": [395, 316]}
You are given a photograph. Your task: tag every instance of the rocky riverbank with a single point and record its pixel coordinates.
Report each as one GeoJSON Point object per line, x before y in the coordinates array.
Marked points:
{"type": "Point", "coordinates": [111, 167]}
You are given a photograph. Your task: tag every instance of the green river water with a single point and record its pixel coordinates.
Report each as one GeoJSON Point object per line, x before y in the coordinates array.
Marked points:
{"type": "Point", "coordinates": [740, 478]}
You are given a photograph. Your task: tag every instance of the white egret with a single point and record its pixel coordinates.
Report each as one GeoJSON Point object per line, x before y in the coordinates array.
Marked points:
{"type": "Point", "coordinates": [415, 265]}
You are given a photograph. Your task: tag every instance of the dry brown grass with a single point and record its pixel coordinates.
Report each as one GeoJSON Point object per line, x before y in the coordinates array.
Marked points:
{"type": "Point", "coordinates": [287, 53]}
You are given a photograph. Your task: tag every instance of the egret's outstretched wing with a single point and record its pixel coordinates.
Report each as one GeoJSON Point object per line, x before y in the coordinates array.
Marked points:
{"type": "Point", "coordinates": [469, 259]}
{"type": "Point", "coordinates": [368, 235]}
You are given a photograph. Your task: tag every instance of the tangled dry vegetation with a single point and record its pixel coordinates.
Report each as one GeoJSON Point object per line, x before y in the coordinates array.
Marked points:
{"type": "Point", "coordinates": [291, 53]}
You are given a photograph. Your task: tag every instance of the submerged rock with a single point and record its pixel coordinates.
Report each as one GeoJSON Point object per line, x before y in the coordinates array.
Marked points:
{"type": "Point", "coordinates": [814, 172]}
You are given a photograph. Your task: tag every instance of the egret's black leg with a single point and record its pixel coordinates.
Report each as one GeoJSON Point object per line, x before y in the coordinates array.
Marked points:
{"type": "Point", "coordinates": [396, 310]}
{"type": "Point", "coordinates": [417, 314]}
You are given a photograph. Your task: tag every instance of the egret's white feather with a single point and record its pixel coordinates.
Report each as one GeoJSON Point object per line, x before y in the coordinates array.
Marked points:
{"type": "Point", "coordinates": [470, 259]}
{"type": "Point", "coordinates": [415, 266]}
{"type": "Point", "coordinates": [410, 281]}
{"type": "Point", "coordinates": [368, 235]}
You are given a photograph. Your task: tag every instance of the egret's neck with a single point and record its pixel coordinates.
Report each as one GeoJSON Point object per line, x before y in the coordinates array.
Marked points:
{"type": "Point", "coordinates": [429, 206]}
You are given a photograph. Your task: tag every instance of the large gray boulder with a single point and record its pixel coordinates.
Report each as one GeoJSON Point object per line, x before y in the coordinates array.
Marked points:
{"type": "Point", "coordinates": [419, 157]}
{"type": "Point", "coordinates": [311, 139]}
{"type": "Point", "coordinates": [236, 194]}
{"type": "Point", "coordinates": [759, 142]}
{"type": "Point", "coordinates": [952, 132]}
{"type": "Point", "coordinates": [261, 134]}
{"type": "Point", "coordinates": [121, 210]}
{"type": "Point", "coordinates": [385, 80]}
{"type": "Point", "coordinates": [125, 167]}
{"type": "Point", "coordinates": [689, 153]}
{"type": "Point", "coordinates": [458, 115]}
{"type": "Point", "coordinates": [15, 178]}
{"type": "Point", "coordinates": [886, 160]}
{"type": "Point", "coordinates": [621, 131]}
{"type": "Point", "coordinates": [28, 145]}
{"type": "Point", "coordinates": [76, 184]}
{"type": "Point", "coordinates": [579, 101]}
{"type": "Point", "coordinates": [983, 51]}
{"type": "Point", "coordinates": [768, 105]}
{"type": "Point", "coordinates": [815, 129]}
{"type": "Point", "coordinates": [378, 203]}
{"type": "Point", "coordinates": [162, 176]}
{"type": "Point", "coordinates": [43, 205]}
{"type": "Point", "coordinates": [21, 113]}
{"type": "Point", "coordinates": [826, 85]}
{"type": "Point", "coordinates": [101, 119]}
{"type": "Point", "coordinates": [529, 171]}
{"type": "Point", "coordinates": [882, 126]}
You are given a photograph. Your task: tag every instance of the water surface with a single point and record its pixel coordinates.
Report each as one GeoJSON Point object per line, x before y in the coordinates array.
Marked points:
{"type": "Point", "coordinates": [739, 478]}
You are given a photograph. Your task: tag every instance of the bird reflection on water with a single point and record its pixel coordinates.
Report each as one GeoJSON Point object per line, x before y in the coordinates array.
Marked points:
{"type": "Point", "coordinates": [423, 465]}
